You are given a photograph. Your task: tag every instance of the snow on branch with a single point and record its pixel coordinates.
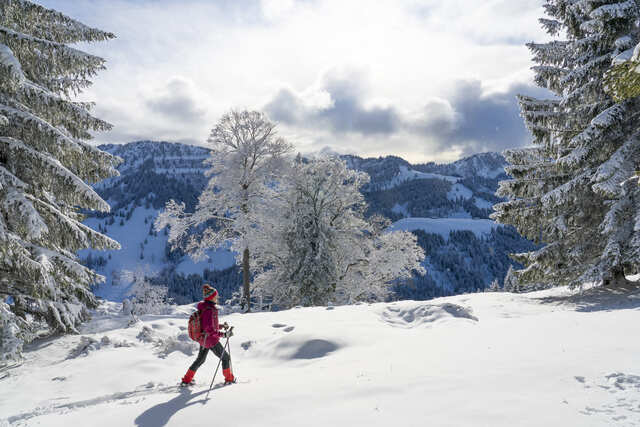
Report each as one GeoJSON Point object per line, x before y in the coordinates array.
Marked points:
{"type": "Point", "coordinates": [48, 174]}
{"type": "Point", "coordinates": [609, 12]}
{"type": "Point", "coordinates": [27, 17]}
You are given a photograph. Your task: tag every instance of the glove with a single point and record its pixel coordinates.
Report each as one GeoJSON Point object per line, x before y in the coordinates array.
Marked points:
{"type": "Point", "coordinates": [225, 325]}
{"type": "Point", "coordinates": [228, 333]}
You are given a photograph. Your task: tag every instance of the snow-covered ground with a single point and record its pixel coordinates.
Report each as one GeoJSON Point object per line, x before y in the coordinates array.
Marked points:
{"type": "Point", "coordinates": [491, 359]}
{"type": "Point", "coordinates": [444, 226]}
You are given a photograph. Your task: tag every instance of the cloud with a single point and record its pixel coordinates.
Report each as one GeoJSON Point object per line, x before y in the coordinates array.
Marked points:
{"type": "Point", "coordinates": [337, 103]}
{"type": "Point", "coordinates": [469, 119]}
{"type": "Point", "coordinates": [472, 120]}
{"type": "Point", "coordinates": [177, 101]}
{"type": "Point", "coordinates": [391, 63]}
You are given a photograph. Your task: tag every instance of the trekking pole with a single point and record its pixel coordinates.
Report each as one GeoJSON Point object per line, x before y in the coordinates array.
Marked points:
{"type": "Point", "coordinates": [226, 344]}
{"type": "Point", "coordinates": [230, 362]}
{"type": "Point", "coordinates": [217, 367]}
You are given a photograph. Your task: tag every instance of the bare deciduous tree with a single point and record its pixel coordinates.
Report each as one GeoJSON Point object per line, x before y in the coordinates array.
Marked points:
{"type": "Point", "coordinates": [246, 157]}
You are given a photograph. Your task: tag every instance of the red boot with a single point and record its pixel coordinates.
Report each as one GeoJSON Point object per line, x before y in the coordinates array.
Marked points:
{"type": "Point", "coordinates": [228, 376]}
{"type": "Point", "coordinates": [188, 377]}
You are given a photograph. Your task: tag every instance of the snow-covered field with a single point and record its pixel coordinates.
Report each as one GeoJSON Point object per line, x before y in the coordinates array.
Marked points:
{"type": "Point", "coordinates": [443, 226]}
{"type": "Point", "coordinates": [495, 359]}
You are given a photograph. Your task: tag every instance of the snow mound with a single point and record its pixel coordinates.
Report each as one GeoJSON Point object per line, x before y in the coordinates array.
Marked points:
{"type": "Point", "coordinates": [180, 342]}
{"type": "Point", "coordinates": [167, 344]}
{"type": "Point", "coordinates": [88, 344]}
{"type": "Point", "coordinates": [424, 314]}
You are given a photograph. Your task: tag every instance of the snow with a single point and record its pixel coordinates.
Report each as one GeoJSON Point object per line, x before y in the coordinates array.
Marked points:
{"type": "Point", "coordinates": [175, 171]}
{"type": "Point", "coordinates": [483, 204]}
{"type": "Point", "coordinates": [488, 359]}
{"type": "Point", "coordinates": [623, 57]}
{"type": "Point", "coordinates": [402, 209]}
{"type": "Point", "coordinates": [444, 226]}
{"type": "Point", "coordinates": [405, 174]}
{"type": "Point", "coordinates": [7, 59]}
{"type": "Point", "coordinates": [459, 190]}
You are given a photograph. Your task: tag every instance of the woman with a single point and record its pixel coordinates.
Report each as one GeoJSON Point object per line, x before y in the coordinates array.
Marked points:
{"type": "Point", "coordinates": [210, 338]}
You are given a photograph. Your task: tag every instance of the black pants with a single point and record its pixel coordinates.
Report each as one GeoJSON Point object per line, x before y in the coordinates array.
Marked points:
{"type": "Point", "coordinates": [218, 350]}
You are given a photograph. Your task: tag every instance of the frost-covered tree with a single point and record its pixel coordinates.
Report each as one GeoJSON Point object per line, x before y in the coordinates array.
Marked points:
{"type": "Point", "coordinates": [494, 286]}
{"type": "Point", "coordinates": [571, 189]}
{"type": "Point", "coordinates": [510, 281]}
{"type": "Point", "coordinates": [45, 166]}
{"type": "Point", "coordinates": [246, 157]}
{"type": "Point", "coordinates": [144, 297]}
{"type": "Point", "coordinates": [13, 333]}
{"type": "Point", "coordinates": [313, 245]}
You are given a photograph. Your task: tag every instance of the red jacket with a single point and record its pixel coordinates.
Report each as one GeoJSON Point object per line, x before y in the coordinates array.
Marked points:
{"type": "Point", "coordinates": [209, 322]}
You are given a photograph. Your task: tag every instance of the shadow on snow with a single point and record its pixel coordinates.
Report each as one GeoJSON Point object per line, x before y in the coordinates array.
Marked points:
{"type": "Point", "coordinates": [160, 414]}
{"type": "Point", "coordinates": [601, 298]}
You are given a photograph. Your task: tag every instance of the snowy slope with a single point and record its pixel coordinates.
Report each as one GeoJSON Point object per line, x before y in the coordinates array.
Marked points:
{"type": "Point", "coordinates": [151, 174]}
{"type": "Point", "coordinates": [488, 359]}
{"type": "Point", "coordinates": [406, 174]}
{"type": "Point", "coordinates": [142, 252]}
{"type": "Point", "coordinates": [443, 226]}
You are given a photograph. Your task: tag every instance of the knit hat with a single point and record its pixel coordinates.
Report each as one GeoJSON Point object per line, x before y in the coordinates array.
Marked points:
{"type": "Point", "coordinates": [209, 292]}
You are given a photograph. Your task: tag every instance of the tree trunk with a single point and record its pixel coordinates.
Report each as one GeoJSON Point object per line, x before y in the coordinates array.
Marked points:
{"type": "Point", "coordinates": [245, 279]}
{"type": "Point", "coordinates": [616, 279]}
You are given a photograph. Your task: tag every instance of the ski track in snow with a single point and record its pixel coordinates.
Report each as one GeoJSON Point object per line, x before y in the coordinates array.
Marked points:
{"type": "Point", "coordinates": [121, 397]}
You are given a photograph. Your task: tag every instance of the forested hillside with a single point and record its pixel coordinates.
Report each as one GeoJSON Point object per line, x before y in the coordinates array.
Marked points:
{"type": "Point", "coordinates": [458, 261]}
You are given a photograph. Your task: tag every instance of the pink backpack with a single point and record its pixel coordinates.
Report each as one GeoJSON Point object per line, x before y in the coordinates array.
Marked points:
{"type": "Point", "coordinates": [195, 327]}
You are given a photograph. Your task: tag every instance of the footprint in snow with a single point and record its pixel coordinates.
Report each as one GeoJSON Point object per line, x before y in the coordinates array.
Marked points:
{"type": "Point", "coordinates": [619, 408]}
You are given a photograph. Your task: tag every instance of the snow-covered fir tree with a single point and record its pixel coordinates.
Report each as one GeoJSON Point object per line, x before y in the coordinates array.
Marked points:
{"type": "Point", "coordinates": [623, 80]}
{"type": "Point", "coordinates": [314, 246]}
{"type": "Point", "coordinates": [572, 190]}
{"type": "Point", "coordinates": [510, 281]}
{"type": "Point", "coordinates": [45, 168]}
{"type": "Point", "coordinates": [246, 157]}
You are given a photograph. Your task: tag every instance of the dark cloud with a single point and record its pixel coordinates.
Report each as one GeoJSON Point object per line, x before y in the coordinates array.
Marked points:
{"type": "Point", "coordinates": [479, 122]}
{"type": "Point", "coordinates": [345, 113]}
{"type": "Point", "coordinates": [469, 120]}
{"type": "Point", "coordinates": [177, 102]}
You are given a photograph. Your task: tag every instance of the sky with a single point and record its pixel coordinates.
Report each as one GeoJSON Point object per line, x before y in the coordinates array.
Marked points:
{"type": "Point", "coordinates": [428, 80]}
